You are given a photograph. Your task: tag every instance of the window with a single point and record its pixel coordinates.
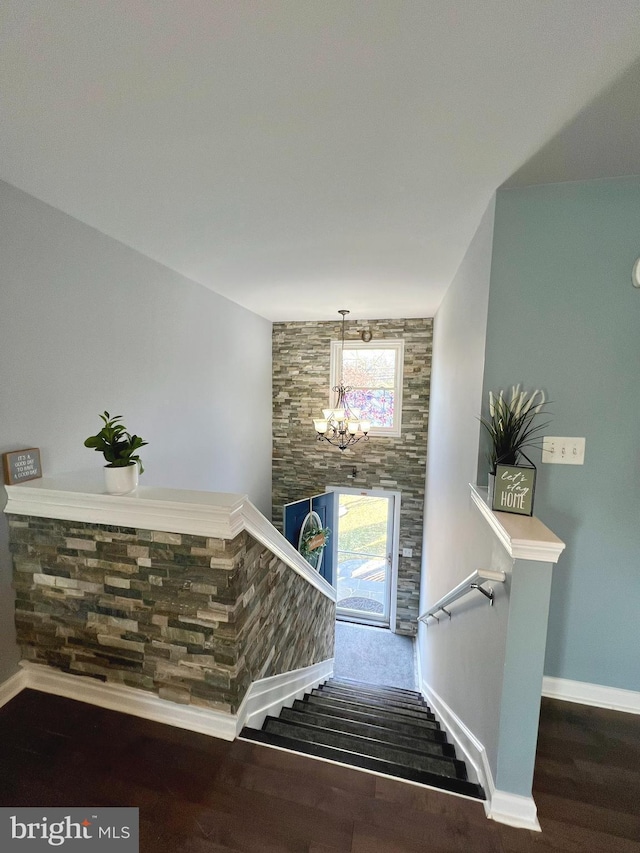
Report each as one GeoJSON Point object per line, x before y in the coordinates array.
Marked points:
{"type": "Point", "coordinates": [373, 371]}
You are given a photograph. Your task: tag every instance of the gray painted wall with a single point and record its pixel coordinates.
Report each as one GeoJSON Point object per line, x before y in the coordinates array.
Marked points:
{"type": "Point", "coordinates": [563, 316]}
{"type": "Point", "coordinates": [86, 324]}
{"type": "Point", "coordinates": [465, 673]}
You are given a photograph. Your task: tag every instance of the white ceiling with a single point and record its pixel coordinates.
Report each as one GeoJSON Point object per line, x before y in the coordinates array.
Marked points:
{"type": "Point", "coordinates": [602, 140]}
{"type": "Point", "coordinates": [297, 156]}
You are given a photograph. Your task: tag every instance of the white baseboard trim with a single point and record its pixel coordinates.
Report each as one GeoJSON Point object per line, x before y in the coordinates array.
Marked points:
{"type": "Point", "coordinates": [514, 810]}
{"type": "Point", "coordinates": [501, 806]}
{"type": "Point", "coordinates": [266, 696]}
{"type": "Point", "coordinates": [270, 695]}
{"type": "Point", "coordinates": [129, 700]}
{"type": "Point", "coordinates": [11, 687]}
{"type": "Point", "coordinates": [598, 695]}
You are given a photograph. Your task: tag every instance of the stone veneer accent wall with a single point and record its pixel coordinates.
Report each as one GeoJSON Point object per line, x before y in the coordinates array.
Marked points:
{"type": "Point", "coordinates": [303, 466]}
{"type": "Point", "coordinates": [190, 618]}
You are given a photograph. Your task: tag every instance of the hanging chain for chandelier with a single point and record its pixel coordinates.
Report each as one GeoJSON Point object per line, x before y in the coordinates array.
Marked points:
{"type": "Point", "coordinates": [341, 426]}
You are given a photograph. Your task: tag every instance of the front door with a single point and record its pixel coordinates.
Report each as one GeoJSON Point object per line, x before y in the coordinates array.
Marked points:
{"type": "Point", "coordinates": [366, 556]}
{"type": "Point", "coordinates": [302, 520]}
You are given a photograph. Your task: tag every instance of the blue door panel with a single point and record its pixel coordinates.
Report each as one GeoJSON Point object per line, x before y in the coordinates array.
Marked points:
{"type": "Point", "coordinates": [294, 516]}
{"type": "Point", "coordinates": [323, 505]}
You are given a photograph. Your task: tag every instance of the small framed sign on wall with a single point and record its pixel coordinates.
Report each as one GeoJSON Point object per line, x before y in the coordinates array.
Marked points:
{"type": "Point", "coordinates": [21, 465]}
{"type": "Point", "coordinates": [514, 489]}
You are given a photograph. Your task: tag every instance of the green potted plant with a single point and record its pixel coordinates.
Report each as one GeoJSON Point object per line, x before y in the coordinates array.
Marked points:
{"type": "Point", "coordinates": [120, 449]}
{"type": "Point", "coordinates": [511, 426]}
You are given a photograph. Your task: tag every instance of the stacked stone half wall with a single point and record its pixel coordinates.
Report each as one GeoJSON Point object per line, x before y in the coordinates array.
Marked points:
{"type": "Point", "coordinates": [193, 619]}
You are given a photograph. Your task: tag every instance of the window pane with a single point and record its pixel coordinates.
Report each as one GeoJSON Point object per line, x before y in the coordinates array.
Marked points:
{"type": "Point", "coordinates": [362, 549]}
{"type": "Point", "coordinates": [375, 406]}
{"type": "Point", "coordinates": [374, 373]}
{"type": "Point", "coordinates": [369, 368]}
{"type": "Point", "coordinates": [363, 525]}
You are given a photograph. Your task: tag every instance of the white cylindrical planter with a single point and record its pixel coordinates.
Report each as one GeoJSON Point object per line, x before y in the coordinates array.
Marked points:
{"type": "Point", "coordinates": [121, 481]}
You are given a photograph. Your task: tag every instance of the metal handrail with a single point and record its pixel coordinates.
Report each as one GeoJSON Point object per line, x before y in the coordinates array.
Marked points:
{"type": "Point", "coordinates": [474, 581]}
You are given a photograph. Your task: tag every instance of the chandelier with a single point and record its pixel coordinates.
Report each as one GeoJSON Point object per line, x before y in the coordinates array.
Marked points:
{"type": "Point", "coordinates": [341, 426]}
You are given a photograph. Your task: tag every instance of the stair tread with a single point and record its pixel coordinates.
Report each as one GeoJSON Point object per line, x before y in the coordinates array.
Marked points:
{"type": "Point", "coordinates": [402, 701]}
{"type": "Point", "coordinates": [423, 728]}
{"type": "Point", "coordinates": [415, 713]}
{"type": "Point", "coordinates": [346, 708]}
{"type": "Point", "coordinates": [438, 765]}
{"type": "Point", "coordinates": [374, 698]}
{"type": "Point", "coordinates": [374, 689]}
{"type": "Point", "coordinates": [367, 685]}
{"type": "Point", "coordinates": [368, 730]}
{"type": "Point", "coordinates": [388, 768]}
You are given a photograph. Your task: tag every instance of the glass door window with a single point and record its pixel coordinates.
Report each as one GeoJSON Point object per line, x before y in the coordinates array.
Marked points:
{"type": "Point", "coordinates": [364, 557]}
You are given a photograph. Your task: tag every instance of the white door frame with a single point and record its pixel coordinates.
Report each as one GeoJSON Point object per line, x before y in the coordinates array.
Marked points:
{"type": "Point", "coordinates": [395, 540]}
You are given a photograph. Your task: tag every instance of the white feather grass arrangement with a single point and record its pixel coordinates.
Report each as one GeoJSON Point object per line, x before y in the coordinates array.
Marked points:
{"type": "Point", "coordinates": [511, 425]}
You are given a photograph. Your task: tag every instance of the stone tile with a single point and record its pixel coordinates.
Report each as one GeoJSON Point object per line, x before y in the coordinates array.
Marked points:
{"type": "Point", "coordinates": [120, 643]}
{"type": "Point", "coordinates": [167, 538]}
{"type": "Point", "coordinates": [112, 621]}
{"type": "Point", "coordinates": [81, 544]}
{"type": "Point", "coordinates": [175, 694]}
{"type": "Point", "coordinates": [115, 580]}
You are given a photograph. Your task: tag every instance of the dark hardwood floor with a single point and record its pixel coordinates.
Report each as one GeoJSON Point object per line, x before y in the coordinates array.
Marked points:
{"type": "Point", "coordinates": [197, 794]}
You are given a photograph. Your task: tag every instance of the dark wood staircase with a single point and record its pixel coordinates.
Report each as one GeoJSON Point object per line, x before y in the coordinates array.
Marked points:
{"type": "Point", "coordinates": [383, 729]}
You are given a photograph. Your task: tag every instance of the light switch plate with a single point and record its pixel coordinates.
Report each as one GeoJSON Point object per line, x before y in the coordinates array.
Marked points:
{"type": "Point", "coordinates": [558, 450]}
{"type": "Point", "coordinates": [407, 552]}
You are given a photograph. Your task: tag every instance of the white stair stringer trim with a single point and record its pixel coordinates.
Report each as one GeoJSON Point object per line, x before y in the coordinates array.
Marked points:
{"type": "Point", "coordinates": [268, 696]}
{"type": "Point", "coordinates": [465, 741]}
{"type": "Point", "coordinates": [12, 686]}
{"type": "Point", "coordinates": [501, 806]}
{"type": "Point", "coordinates": [596, 695]}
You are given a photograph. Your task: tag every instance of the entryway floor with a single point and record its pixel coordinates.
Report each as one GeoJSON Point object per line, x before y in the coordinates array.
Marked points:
{"type": "Point", "coordinates": [376, 655]}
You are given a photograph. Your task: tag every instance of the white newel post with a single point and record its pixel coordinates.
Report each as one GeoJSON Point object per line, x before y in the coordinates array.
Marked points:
{"type": "Point", "coordinates": [535, 550]}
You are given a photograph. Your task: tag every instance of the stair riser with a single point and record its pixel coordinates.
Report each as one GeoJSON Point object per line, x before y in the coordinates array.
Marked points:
{"type": "Point", "coordinates": [343, 709]}
{"type": "Point", "coordinates": [365, 685]}
{"type": "Point", "coordinates": [374, 701]}
{"type": "Point", "coordinates": [429, 747]}
{"type": "Point", "coordinates": [388, 707]}
{"type": "Point", "coordinates": [357, 696]}
{"type": "Point", "coordinates": [417, 701]}
{"type": "Point", "coordinates": [425, 730]}
{"type": "Point", "coordinates": [383, 693]}
{"type": "Point", "coordinates": [361, 746]}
